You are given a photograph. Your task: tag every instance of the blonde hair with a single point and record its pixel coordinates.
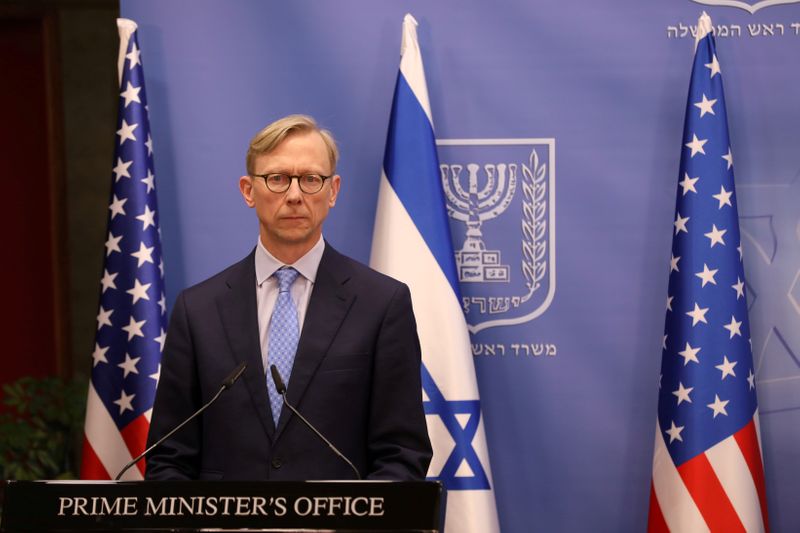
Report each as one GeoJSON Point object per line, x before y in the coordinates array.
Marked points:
{"type": "Point", "coordinates": [273, 134]}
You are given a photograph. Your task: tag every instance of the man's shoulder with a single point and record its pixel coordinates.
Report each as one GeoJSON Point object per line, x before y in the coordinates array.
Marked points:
{"type": "Point", "coordinates": [242, 271]}
{"type": "Point", "coordinates": [357, 273]}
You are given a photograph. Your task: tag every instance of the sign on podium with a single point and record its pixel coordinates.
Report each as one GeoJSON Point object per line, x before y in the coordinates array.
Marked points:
{"type": "Point", "coordinates": [38, 506]}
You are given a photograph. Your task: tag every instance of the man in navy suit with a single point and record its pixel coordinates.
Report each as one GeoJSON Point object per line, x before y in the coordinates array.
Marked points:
{"type": "Point", "coordinates": [355, 372]}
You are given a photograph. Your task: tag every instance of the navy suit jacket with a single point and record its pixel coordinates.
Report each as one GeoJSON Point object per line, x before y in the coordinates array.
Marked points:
{"type": "Point", "coordinates": [356, 377]}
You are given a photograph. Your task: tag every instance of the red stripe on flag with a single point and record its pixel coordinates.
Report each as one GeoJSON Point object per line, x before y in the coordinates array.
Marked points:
{"type": "Point", "coordinates": [135, 437]}
{"type": "Point", "coordinates": [708, 494]}
{"type": "Point", "coordinates": [91, 467]}
{"type": "Point", "coordinates": [655, 520]}
{"type": "Point", "coordinates": [747, 439]}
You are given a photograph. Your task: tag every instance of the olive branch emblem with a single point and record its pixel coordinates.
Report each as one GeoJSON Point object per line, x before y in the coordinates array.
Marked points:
{"type": "Point", "coordinates": [534, 224]}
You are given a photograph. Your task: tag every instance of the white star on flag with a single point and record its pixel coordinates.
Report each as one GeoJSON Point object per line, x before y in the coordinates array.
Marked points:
{"type": "Point", "coordinates": [107, 281]}
{"type": "Point", "coordinates": [707, 275]}
{"type": "Point", "coordinates": [133, 55]}
{"type": "Point", "coordinates": [675, 432]}
{"type": "Point", "coordinates": [104, 317]}
{"type": "Point", "coordinates": [714, 66]}
{"type": "Point", "coordinates": [116, 206]}
{"type": "Point", "coordinates": [718, 406]}
{"type": "Point", "coordinates": [131, 94]}
{"type": "Point", "coordinates": [688, 184]}
{"type": "Point", "coordinates": [147, 218]}
{"type": "Point", "coordinates": [696, 145]}
{"type": "Point", "coordinates": [734, 327]}
{"type": "Point", "coordinates": [144, 255]}
{"type": "Point", "coordinates": [139, 291]}
{"type": "Point", "coordinates": [126, 132]}
{"type": "Point", "coordinates": [726, 367]}
{"type": "Point", "coordinates": [121, 169]}
{"type": "Point", "coordinates": [129, 365]}
{"type": "Point", "coordinates": [161, 339]}
{"type": "Point", "coordinates": [112, 243]}
{"type": "Point", "coordinates": [680, 224]}
{"type": "Point", "coordinates": [689, 354]}
{"type": "Point", "coordinates": [738, 287]}
{"type": "Point", "coordinates": [724, 197]}
{"type": "Point", "coordinates": [125, 402]}
{"type": "Point", "coordinates": [683, 393]}
{"type": "Point", "coordinates": [698, 315]}
{"type": "Point", "coordinates": [148, 180]}
{"type": "Point", "coordinates": [673, 264]}
{"type": "Point", "coordinates": [706, 106]}
{"type": "Point", "coordinates": [715, 235]}
{"type": "Point", "coordinates": [99, 355]}
{"type": "Point", "coordinates": [729, 158]}
{"type": "Point", "coordinates": [156, 375]}
{"type": "Point", "coordinates": [134, 328]}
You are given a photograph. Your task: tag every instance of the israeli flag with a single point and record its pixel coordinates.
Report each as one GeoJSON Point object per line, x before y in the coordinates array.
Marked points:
{"type": "Point", "coordinates": [412, 243]}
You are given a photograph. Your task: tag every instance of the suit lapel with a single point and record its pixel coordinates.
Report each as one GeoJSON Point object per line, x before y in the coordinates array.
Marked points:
{"type": "Point", "coordinates": [239, 312]}
{"type": "Point", "coordinates": [330, 301]}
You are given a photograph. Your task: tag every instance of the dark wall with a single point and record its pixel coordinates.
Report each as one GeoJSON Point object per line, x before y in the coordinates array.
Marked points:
{"type": "Point", "coordinates": [34, 342]}
{"type": "Point", "coordinates": [57, 133]}
{"type": "Point", "coordinates": [89, 43]}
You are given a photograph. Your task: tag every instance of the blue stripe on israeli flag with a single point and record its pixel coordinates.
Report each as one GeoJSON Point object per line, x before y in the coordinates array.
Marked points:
{"type": "Point", "coordinates": [412, 167]}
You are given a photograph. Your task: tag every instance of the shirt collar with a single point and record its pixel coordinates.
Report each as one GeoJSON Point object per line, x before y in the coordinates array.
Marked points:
{"type": "Point", "coordinates": [307, 266]}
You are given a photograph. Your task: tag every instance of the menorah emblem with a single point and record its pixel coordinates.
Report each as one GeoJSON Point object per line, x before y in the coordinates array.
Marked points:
{"type": "Point", "coordinates": [508, 207]}
{"type": "Point", "coordinates": [472, 206]}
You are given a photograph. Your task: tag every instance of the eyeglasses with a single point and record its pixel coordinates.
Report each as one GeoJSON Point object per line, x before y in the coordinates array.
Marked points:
{"type": "Point", "coordinates": [309, 183]}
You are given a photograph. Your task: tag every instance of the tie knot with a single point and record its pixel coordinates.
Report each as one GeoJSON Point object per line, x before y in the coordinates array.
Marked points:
{"type": "Point", "coordinates": [286, 277]}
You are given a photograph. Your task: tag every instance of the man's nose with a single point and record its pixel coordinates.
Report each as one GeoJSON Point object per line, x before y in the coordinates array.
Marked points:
{"type": "Point", "coordinates": [293, 193]}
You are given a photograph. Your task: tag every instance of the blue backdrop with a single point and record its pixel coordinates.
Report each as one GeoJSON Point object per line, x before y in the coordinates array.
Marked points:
{"type": "Point", "coordinates": [569, 377]}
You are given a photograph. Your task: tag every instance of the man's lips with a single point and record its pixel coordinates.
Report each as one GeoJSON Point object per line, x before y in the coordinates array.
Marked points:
{"type": "Point", "coordinates": [292, 218]}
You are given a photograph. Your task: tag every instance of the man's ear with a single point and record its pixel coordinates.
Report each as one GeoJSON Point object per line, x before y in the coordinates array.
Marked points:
{"type": "Point", "coordinates": [246, 188]}
{"type": "Point", "coordinates": [336, 182]}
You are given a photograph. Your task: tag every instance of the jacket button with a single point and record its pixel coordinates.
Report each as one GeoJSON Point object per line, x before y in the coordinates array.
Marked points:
{"type": "Point", "coordinates": [276, 463]}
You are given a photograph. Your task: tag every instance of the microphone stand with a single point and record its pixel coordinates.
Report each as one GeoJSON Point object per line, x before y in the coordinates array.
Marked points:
{"type": "Point", "coordinates": [281, 388]}
{"type": "Point", "coordinates": [227, 384]}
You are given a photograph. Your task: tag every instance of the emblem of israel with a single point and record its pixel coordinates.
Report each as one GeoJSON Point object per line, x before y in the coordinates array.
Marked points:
{"type": "Point", "coordinates": [501, 199]}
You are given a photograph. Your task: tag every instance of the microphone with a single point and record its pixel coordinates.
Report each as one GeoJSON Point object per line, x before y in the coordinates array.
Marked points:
{"type": "Point", "coordinates": [281, 388]}
{"type": "Point", "coordinates": [227, 383]}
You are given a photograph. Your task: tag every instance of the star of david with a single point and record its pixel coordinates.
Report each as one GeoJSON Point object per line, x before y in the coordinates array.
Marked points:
{"type": "Point", "coordinates": [437, 405]}
{"type": "Point", "coordinates": [769, 222]}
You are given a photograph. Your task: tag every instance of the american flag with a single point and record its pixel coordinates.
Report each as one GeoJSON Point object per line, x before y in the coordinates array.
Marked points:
{"type": "Point", "coordinates": [131, 321]}
{"type": "Point", "coordinates": [707, 465]}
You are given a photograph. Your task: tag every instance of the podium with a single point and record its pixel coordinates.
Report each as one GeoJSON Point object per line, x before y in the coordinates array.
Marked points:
{"type": "Point", "coordinates": [379, 506]}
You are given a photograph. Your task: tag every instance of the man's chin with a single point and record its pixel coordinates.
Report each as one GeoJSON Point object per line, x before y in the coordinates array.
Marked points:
{"type": "Point", "coordinates": [296, 237]}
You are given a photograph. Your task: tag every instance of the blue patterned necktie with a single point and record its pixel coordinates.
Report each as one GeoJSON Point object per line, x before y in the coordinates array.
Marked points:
{"type": "Point", "coordinates": [284, 333]}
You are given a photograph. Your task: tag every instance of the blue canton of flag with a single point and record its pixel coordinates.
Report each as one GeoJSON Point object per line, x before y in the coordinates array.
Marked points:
{"type": "Point", "coordinates": [412, 243]}
{"type": "Point", "coordinates": [131, 321]}
{"type": "Point", "coordinates": [707, 470]}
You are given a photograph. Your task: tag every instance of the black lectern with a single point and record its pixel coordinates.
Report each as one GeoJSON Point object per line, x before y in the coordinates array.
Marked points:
{"type": "Point", "coordinates": [221, 506]}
